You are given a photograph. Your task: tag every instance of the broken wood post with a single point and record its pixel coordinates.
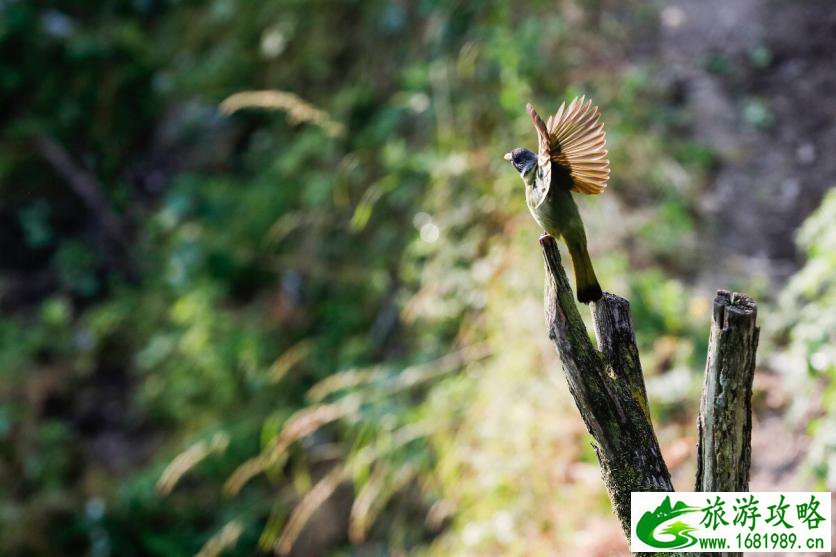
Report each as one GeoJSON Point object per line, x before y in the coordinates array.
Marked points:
{"type": "Point", "coordinates": [607, 386]}
{"type": "Point", "coordinates": [724, 449]}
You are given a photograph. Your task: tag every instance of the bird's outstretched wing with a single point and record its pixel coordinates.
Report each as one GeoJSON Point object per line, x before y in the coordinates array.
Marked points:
{"type": "Point", "coordinates": [543, 178]}
{"type": "Point", "coordinates": [576, 142]}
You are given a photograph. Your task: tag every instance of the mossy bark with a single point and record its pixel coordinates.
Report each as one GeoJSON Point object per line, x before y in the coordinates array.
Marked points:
{"type": "Point", "coordinates": [608, 388]}
{"type": "Point", "coordinates": [725, 421]}
{"type": "Point", "coordinates": [724, 449]}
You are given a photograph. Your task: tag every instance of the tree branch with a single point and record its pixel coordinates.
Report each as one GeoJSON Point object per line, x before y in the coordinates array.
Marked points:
{"type": "Point", "coordinates": [85, 185]}
{"type": "Point", "coordinates": [607, 387]}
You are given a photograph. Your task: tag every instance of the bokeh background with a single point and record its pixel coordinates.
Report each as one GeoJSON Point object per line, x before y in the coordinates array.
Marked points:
{"type": "Point", "coordinates": [267, 284]}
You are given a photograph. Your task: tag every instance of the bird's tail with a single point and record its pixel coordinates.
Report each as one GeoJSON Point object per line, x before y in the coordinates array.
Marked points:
{"type": "Point", "coordinates": [586, 283]}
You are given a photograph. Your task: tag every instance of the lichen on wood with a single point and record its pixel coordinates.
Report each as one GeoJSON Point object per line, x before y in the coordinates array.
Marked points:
{"type": "Point", "coordinates": [608, 387]}
{"type": "Point", "coordinates": [724, 450]}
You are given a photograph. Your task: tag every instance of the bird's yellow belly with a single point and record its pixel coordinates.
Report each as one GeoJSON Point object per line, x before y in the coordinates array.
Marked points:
{"type": "Point", "coordinates": [548, 216]}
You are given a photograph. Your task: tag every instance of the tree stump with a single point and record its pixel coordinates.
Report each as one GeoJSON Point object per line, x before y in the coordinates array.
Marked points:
{"type": "Point", "coordinates": [608, 388]}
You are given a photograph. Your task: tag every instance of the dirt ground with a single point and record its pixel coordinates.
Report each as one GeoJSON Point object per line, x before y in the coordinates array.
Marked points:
{"type": "Point", "coordinates": [759, 77]}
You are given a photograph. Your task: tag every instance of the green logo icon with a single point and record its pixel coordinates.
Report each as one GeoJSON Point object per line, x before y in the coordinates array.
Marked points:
{"type": "Point", "coordinates": [664, 513]}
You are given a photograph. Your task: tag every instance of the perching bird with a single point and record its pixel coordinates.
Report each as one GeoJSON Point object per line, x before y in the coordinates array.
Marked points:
{"type": "Point", "coordinates": [571, 158]}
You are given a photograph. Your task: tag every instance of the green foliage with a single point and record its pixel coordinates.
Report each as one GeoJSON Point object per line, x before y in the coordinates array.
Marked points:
{"type": "Point", "coordinates": [809, 308]}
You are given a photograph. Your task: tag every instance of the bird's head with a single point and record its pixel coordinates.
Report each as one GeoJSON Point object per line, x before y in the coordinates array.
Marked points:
{"type": "Point", "coordinates": [525, 162]}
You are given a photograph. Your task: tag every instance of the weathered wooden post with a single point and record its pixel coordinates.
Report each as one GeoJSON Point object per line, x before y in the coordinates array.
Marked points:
{"type": "Point", "coordinates": [608, 388]}
{"type": "Point", "coordinates": [724, 448]}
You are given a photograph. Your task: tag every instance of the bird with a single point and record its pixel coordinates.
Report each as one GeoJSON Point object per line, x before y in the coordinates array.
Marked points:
{"type": "Point", "coordinates": [571, 158]}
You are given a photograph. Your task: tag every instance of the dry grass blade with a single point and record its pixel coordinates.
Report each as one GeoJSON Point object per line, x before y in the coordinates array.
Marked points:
{"type": "Point", "coordinates": [418, 374]}
{"type": "Point", "coordinates": [408, 377]}
{"type": "Point", "coordinates": [288, 359]}
{"type": "Point", "coordinates": [344, 380]}
{"type": "Point", "coordinates": [186, 460]}
{"type": "Point", "coordinates": [403, 436]}
{"type": "Point", "coordinates": [244, 473]}
{"type": "Point", "coordinates": [359, 519]}
{"type": "Point", "coordinates": [297, 109]}
{"type": "Point", "coordinates": [307, 506]}
{"type": "Point", "coordinates": [226, 538]}
{"type": "Point", "coordinates": [326, 486]}
{"type": "Point", "coordinates": [301, 424]}
{"type": "Point", "coordinates": [373, 497]}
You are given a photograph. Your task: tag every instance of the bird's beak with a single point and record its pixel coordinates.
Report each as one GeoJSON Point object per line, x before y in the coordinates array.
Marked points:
{"type": "Point", "coordinates": [507, 157]}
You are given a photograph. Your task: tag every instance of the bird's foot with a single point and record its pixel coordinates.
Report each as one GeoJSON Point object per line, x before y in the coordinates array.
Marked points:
{"type": "Point", "coordinates": [544, 237]}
